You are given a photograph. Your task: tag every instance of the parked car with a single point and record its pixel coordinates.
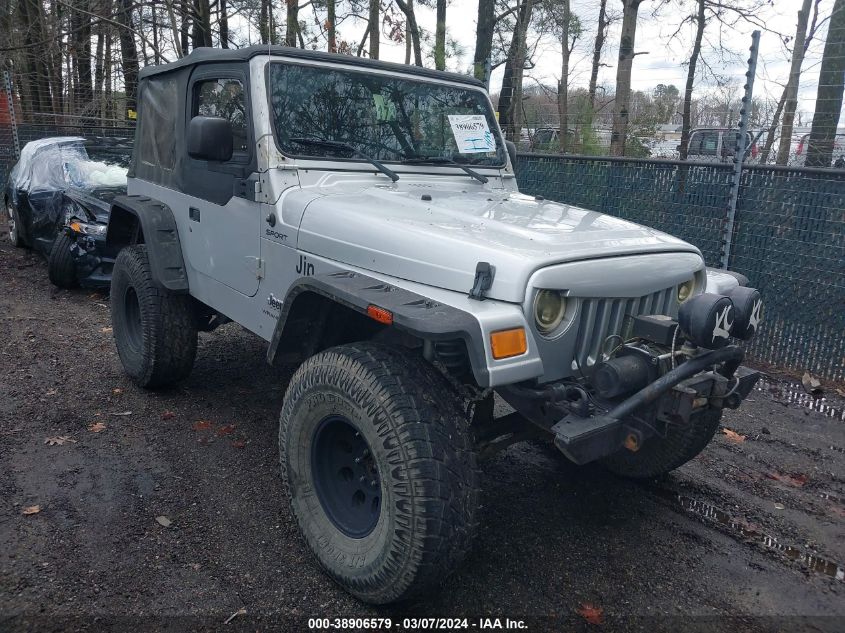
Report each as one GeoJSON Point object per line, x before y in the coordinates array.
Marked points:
{"type": "Point", "coordinates": [838, 159]}
{"type": "Point", "coordinates": [57, 203]}
{"type": "Point", "coordinates": [385, 245]}
{"type": "Point", "coordinates": [716, 144]}
{"type": "Point", "coordinates": [548, 139]}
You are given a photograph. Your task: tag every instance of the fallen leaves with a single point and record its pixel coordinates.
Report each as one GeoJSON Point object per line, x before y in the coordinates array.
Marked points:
{"type": "Point", "coordinates": [239, 444]}
{"type": "Point", "coordinates": [105, 330]}
{"type": "Point", "coordinates": [31, 510]}
{"type": "Point", "coordinates": [168, 415]}
{"type": "Point", "coordinates": [117, 391]}
{"type": "Point", "coordinates": [163, 521]}
{"type": "Point", "coordinates": [97, 427]}
{"type": "Point", "coordinates": [226, 429]}
{"type": "Point", "coordinates": [202, 425]}
{"type": "Point", "coordinates": [792, 480]}
{"type": "Point", "coordinates": [59, 440]}
{"type": "Point", "coordinates": [733, 436]}
{"type": "Point", "coordinates": [811, 384]}
{"type": "Point", "coordinates": [592, 614]}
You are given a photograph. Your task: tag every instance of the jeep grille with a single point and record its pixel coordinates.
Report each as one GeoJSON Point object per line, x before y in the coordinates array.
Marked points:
{"type": "Point", "coordinates": [600, 318]}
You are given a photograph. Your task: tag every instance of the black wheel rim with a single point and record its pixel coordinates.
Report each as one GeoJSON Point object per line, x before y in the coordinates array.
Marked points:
{"type": "Point", "coordinates": [346, 477]}
{"type": "Point", "coordinates": [132, 313]}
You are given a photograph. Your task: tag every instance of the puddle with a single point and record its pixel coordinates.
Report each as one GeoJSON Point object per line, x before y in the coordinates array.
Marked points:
{"type": "Point", "coordinates": [790, 393]}
{"type": "Point", "coordinates": [745, 530]}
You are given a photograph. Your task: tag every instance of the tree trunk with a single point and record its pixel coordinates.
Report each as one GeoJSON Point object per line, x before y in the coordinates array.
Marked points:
{"type": "Point", "coordinates": [201, 33]}
{"type": "Point", "coordinates": [601, 34]}
{"type": "Point", "coordinates": [791, 91]}
{"type": "Point", "coordinates": [623, 76]}
{"type": "Point", "coordinates": [223, 25]}
{"type": "Point", "coordinates": [292, 22]}
{"type": "Point", "coordinates": [484, 39]}
{"type": "Point", "coordinates": [510, 96]}
{"type": "Point", "coordinates": [330, 23]}
{"type": "Point", "coordinates": [829, 95]}
{"type": "Point", "coordinates": [563, 86]}
{"type": "Point", "coordinates": [184, 29]}
{"type": "Point", "coordinates": [440, 37]}
{"type": "Point", "coordinates": [408, 9]}
{"type": "Point", "coordinates": [686, 118]}
{"type": "Point", "coordinates": [128, 53]}
{"type": "Point", "coordinates": [375, 28]}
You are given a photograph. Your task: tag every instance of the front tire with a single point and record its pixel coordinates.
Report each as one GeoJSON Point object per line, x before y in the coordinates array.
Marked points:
{"type": "Point", "coordinates": [659, 455]}
{"type": "Point", "coordinates": [61, 267]}
{"type": "Point", "coordinates": [154, 330]}
{"type": "Point", "coordinates": [14, 225]}
{"type": "Point", "coordinates": [380, 470]}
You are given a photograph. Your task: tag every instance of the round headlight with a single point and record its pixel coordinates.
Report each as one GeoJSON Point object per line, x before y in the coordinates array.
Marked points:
{"type": "Point", "coordinates": [549, 308]}
{"type": "Point", "coordinates": [685, 290]}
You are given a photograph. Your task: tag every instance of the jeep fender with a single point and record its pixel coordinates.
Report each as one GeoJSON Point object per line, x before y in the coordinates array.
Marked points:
{"type": "Point", "coordinates": [412, 313]}
{"type": "Point", "coordinates": [139, 219]}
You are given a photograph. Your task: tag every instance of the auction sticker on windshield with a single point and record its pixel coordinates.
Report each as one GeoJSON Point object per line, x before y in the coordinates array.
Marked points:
{"type": "Point", "coordinates": [472, 134]}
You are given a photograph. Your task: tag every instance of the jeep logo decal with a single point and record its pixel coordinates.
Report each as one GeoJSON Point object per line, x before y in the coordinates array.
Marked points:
{"type": "Point", "coordinates": [273, 302]}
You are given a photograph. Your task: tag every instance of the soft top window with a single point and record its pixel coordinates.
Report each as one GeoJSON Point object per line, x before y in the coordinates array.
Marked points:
{"type": "Point", "coordinates": [158, 111]}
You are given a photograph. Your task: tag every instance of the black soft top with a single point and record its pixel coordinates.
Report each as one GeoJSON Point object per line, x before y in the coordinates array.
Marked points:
{"type": "Point", "coordinates": [205, 55]}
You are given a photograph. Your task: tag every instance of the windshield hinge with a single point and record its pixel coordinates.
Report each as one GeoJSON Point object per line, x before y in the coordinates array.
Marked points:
{"type": "Point", "coordinates": [484, 274]}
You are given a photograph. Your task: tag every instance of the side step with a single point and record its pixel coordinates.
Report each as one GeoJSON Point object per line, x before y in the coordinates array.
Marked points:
{"type": "Point", "coordinates": [585, 440]}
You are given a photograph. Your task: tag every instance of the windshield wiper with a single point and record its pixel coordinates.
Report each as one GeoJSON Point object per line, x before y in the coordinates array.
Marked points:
{"type": "Point", "coordinates": [322, 142]}
{"type": "Point", "coordinates": [440, 160]}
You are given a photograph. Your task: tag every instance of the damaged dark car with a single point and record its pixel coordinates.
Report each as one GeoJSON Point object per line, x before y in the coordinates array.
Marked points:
{"type": "Point", "coordinates": [57, 202]}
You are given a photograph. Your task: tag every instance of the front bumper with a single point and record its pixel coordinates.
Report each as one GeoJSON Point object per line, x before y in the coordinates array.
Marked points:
{"type": "Point", "coordinates": [591, 429]}
{"type": "Point", "coordinates": [93, 262]}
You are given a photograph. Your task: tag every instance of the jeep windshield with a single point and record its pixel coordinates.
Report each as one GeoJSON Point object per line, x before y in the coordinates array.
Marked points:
{"type": "Point", "coordinates": [382, 116]}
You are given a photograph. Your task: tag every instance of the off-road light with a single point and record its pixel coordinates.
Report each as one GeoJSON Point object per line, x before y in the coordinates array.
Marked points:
{"type": "Point", "coordinates": [507, 343]}
{"type": "Point", "coordinates": [707, 320]}
{"type": "Point", "coordinates": [685, 290]}
{"type": "Point", "coordinates": [549, 309]}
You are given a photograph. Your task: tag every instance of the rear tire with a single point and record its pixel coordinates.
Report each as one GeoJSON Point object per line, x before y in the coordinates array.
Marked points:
{"type": "Point", "coordinates": [61, 267]}
{"type": "Point", "coordinates": [397, 520]}
{"type": "Point", "coordinates": [154, 330]}
{"type": "Point", "coordinates": [14, 225]}
{"type": "Point", "coordinates": [658, 455]}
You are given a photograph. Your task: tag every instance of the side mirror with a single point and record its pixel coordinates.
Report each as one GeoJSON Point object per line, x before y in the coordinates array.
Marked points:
{"type": "Point", "coordinates": [511, 153]}
{"type": "Point", "coordinates": [210, 138]}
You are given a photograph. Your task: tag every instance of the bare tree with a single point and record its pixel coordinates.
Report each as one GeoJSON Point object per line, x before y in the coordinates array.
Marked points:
{"type": "Point", "coordinates": [440, 36]}
{"type": "Point", "coordinates": [375, 28]}
{"type": "Point", "coordinates": [829, 93]}
{"type": "Point", "coordinates": [511, 92]}
{"type": "Point", "coordinates": [623, 76]}
{"type": "Point", "coordinates": [791, 90]}
{"type": "Point", "coordinates": [601, 35]}
{"type": "Point", "coordinates": [686, 122]}
{"type": "Point", "coordinates": [408, 9]}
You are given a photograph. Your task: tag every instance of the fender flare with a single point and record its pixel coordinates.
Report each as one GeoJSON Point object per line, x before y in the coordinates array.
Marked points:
{"type": "Point", "coordinates": [160, 235]}
{"type": "Point", "coordinates": [412, 313]}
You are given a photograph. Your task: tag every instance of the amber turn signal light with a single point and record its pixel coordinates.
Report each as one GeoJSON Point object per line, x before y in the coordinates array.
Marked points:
{"type": "Point", "coordinates": [380, 314]}
{"type": "Point", "coordinates": [507, 343]}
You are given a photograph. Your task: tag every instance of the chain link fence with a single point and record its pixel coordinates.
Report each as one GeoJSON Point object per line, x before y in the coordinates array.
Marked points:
{"type": "Point", "coordinates": [788, 236]}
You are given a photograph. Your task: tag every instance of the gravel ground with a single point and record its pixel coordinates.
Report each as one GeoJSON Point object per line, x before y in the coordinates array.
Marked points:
{"type": "Point", "coordinates": [165, 510]}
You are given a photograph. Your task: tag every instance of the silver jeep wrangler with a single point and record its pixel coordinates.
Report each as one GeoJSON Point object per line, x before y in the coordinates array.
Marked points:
{"type": "Point", "coordinates": [365, 218]}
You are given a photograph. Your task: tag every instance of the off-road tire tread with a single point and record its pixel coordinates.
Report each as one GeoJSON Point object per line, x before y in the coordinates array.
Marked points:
{"type": "Point", "coordinates": [428, 419]}
{"type": "Point", "coordinates": [61, 268]}
{"type": "Point", "coordinates": [170, 332]}
{"type": "Point", "coordinates": [658, 455]}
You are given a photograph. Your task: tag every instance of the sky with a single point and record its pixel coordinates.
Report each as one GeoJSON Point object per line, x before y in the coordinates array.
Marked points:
{"type": "Point", "coordinates": [664, 60]}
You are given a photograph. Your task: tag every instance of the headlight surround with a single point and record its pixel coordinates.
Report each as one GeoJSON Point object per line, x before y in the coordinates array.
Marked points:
{"type": "Point", "coordinates": [549, 310]}
{"type": "Point", "coordinates": [686, 290]}
{"type": "Point", "coordinates": [85, 228]}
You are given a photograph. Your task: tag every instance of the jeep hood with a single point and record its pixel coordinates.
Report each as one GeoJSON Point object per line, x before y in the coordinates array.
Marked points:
{"type": "Point", "coordinates": [436, 236]}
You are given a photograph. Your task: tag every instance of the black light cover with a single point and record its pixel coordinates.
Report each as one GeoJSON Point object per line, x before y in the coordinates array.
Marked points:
{"type": "Point", "coordinates": [748, 312]}
{"type": "Point", "coordinates": [707, 320]}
